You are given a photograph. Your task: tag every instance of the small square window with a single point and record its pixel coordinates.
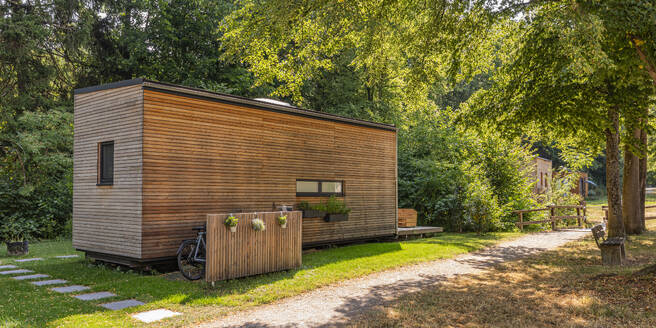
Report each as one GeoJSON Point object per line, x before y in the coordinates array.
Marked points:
{"type": "Point", "coordinates": [106, 163]}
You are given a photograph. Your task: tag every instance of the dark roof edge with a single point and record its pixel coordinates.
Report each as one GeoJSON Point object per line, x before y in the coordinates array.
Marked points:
{"type": "Point", "coordinates": [113, 85]}
{"type": "Point", "coordinates": [215, 96]}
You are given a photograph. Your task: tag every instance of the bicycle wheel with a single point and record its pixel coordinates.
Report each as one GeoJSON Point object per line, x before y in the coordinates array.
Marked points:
{"type": "Point", "coordinates": [189, 268]}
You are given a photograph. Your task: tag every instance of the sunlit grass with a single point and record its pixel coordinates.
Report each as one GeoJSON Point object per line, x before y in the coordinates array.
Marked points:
{"type": "Point", "coordinates": [25, 305]}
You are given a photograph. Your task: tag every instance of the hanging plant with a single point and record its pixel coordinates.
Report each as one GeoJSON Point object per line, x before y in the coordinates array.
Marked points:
{"type": "Point", "coordinates": [231, 222]}
{"type": "Point", "coordinates": [258, 225]}
{"type": "Point", "coordinates": [282, 221]}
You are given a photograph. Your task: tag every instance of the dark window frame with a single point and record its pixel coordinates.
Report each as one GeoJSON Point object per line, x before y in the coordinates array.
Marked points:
{"type": "Point", "coordinates": [104, 181]}
{"type": "Point", "coordinates": [321, 193]}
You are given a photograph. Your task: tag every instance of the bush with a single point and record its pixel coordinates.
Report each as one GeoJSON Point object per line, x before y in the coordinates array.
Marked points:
{"type": "Point", "coordinates": [449, 176]}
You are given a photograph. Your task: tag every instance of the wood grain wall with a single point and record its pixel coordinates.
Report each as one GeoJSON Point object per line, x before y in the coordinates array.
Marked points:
{"type": "Point", "coordinates": [202, 156]}
{"type": "Point", "coordinates": [107, 219]}
{"type": "Point", "coordinates": [247, 252]}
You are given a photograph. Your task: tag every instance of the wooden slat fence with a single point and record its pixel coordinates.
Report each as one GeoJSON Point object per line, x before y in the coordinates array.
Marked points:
{"type": "Point", "coordinates": [248, 252]}
{"type": "Point", "coordinates": [605, 209]}
{"type": "Point", "coordinates": [581, 215]}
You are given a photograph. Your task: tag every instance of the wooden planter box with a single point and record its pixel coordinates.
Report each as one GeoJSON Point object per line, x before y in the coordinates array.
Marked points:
{"type": "Point", "coordinates": [407, 218]}
{"type": "Point", "coordinates": [336, 217]}
{"type": "Point", "coordinates": [313, 214]}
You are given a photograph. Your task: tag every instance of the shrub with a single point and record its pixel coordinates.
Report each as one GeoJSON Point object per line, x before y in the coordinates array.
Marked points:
{"type": "Point", "coordinates": [15, 229]}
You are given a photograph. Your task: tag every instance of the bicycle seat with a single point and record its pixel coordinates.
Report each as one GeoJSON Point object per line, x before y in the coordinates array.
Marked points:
{"type": "Point", "coordinates": [199, 228]}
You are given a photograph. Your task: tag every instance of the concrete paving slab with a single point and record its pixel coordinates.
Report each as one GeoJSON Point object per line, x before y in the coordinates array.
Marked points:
{"type": "Point", "coordinates": [15, 272]}
{"type": "Point", "coordinates": [69, 289]}
{"type": "Point", "coordinates": [121, 304]}
{"type": "Point", "coordinates": [66, 256]}
{"type": "Point", "coordinates": [8, 266]}
{"type": "Point", "coordinates": [94, 296]}
{"type": "Point", "coordinates": [31, 276]}
{"type": "Point", "coordinates": [49, 282]}
{"type": "Point", "coordinates": [29, 260]}
{"type": "Point", "coordinates": [155, 315]}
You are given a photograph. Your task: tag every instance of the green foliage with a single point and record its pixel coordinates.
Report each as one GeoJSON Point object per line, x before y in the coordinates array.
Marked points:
{"type": "Point", "coordinates": [258, 225]}
{"type": "Point", "coordinates": [15, 229]}
{"type": "Point", "coordinates": [335, 206]}
{"type": "Point", "coordinates": [231, 221]}
{"type": "Point", "coordinates": [482, 206]}
{"type": "Point", "coordinates": [36, 171]}
{"type": "Point", "coordinates": [439, 166]}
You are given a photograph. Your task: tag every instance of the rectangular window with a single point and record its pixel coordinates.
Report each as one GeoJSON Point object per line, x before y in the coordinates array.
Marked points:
{"type": "Point", "coordinates": [106, 163]}
{"type": "Point", "coordinates": [319, 188]}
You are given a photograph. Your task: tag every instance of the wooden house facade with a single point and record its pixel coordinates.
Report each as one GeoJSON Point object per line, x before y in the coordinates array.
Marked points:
{"type": "Point", "coordinates": [151, 160]}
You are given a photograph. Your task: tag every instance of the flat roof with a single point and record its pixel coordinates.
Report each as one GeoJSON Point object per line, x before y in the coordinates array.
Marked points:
{"type": "Point", "coordinates": [232, 99]}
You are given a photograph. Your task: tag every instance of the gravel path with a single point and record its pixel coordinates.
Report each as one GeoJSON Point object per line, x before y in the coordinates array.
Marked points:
{"type": "Point", "coordinates": [334, 305]}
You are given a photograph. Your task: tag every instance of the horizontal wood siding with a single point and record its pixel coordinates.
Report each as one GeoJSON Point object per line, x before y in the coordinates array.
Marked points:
{"type": "Point", "coordinates": [107, 219]}
{"type": "Point", "coordinates": [203, 157]}
{"type": "Point", "coordinates": [247, 252]}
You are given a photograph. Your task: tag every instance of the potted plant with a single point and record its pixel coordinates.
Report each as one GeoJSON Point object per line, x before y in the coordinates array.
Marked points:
{"type": "Point", "coordinates": [15, 232]}
{"type": "Point", "coordinates": [336, 210]}
{"type": "Point", "coordinates": [258, 225]}
{"type": "Point", "coordinates": [311, 211]}
{"type": "Point", "coordinates": [282, 221]}
{"type": "Point", "coordinates": [231, 222]}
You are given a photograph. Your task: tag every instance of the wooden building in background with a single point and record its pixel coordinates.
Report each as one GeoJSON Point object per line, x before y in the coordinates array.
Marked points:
{"type": "Point", "coordinates": [542, 173]}
{"type": "Point", "coordinates": [151, 160]}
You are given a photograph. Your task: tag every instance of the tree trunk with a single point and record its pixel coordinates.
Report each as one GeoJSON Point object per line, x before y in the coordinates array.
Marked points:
{"type": "Point", "coordinates": [631, 185]}
{"type": "Point", "coordinates": [615, 224]}
{"type": "Point", "coordinates": [643, 177]}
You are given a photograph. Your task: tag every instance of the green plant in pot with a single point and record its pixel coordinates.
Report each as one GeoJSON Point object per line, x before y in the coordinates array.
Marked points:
{"type": "Point", "coordinates": [311, 210]}
{"type": "Point", "coordinates": [15, 233]}
{"type": "Point", "coordinates": [282, 221]}
{"type": "Point", "coordinates": [336, 210]}
{"type": "Point", "coordinates": [231, 222]}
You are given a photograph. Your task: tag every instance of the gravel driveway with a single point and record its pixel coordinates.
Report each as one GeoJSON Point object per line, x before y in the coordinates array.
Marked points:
{"type": "Point", "coordinates": [334, 305]}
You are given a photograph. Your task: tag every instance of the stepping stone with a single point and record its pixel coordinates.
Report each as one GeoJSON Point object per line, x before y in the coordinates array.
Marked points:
{"type": "Point", "coordinates": [31, 276]}
{"type": "Point", "coordinates": [121, 304]}
{"type": "Point", "coordinates": [8, 266]}
{"type": "Point", "coordinates": [155, 315]}
{"type": "Point", "coordinates": [66, 256]}
{"type": "Point", "coordinates": [16, 271]}
{"type": "Point", "coordinates": [29, 260]}
{"type": "Point", "coordinates": [48, 282]}
{"type": "Point", "coordinates": [94, 296]}
{"type": "Point", "coordinates": [70, 289]}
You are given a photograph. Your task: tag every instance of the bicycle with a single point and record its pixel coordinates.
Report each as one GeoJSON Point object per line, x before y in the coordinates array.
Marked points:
{"type": "Point", "coordinates": [191, 255]}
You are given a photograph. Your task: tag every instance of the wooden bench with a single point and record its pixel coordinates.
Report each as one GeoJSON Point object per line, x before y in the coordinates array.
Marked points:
{"type": "Point", "coordinates": [613, 251]}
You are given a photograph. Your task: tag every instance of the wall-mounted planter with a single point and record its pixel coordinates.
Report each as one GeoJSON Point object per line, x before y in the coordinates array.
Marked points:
{"type": "Point", "coordinates": [336, 217]}
{"type": "Point", "coordinates": [313, 214]}
{"type": "Point", "coordinates": [233, 229]}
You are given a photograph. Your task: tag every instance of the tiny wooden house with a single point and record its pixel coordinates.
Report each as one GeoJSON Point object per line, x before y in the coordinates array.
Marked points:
{"type": "Point", "coordinates": [151, 160]}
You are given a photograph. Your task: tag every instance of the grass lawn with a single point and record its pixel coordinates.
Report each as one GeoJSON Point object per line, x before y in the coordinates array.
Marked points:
{"type": "Point", "coordinates": [25, 305]}
{"type": "Point", "coordinates": [567, 287]}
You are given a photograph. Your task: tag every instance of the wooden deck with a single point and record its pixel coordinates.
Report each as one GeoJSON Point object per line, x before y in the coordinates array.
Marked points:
{"type": "Point", "coordinates": [418, 231]}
